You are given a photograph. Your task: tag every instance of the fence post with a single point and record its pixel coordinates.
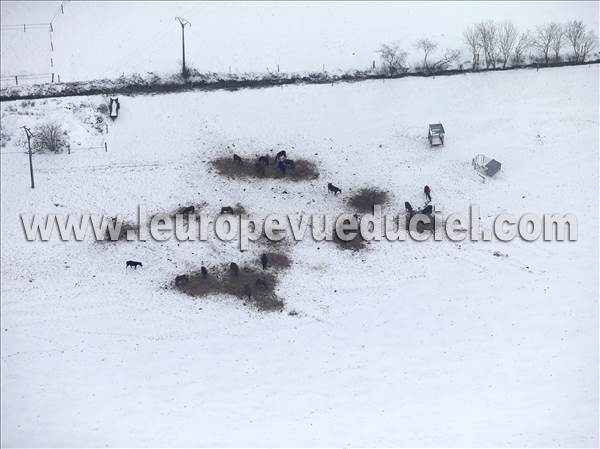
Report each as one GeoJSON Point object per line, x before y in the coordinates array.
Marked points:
{"type": "Point", "coordinates": [16, 81]}
{"type": "Point", "coordinates": [105, 148]}
{"type": "Point", "coordinates": [52, 76]}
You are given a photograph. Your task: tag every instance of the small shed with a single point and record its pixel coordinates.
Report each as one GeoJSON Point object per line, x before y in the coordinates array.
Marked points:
{"type": "Point", "coordinates": [486, 165]}
{"type": "Point", "coordinates": [436, 134]}
{"type": "Point", "coordinates": [114, 107]}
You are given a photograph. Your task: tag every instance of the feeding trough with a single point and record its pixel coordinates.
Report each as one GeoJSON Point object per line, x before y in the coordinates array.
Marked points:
{"type": "Point", "coordinates": [485, 165]}
{"type": "Point", "coordinates": [436, 134]}
{"type": "Point", "coordinates": [114, 107]}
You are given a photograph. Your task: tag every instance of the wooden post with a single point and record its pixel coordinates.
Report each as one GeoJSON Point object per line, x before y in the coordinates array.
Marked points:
{"type": "Point", "coordinates": [28, 134]}
{"type": "Point", "coordinates": [16, 81]}
{"type": "Point", "coordinates": [105, 148]}
{"type": "Point", "coordinates": [52, 76]}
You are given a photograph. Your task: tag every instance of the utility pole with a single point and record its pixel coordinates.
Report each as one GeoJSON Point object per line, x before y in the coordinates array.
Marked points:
{"type": "Point", "coordinates": [183, 23]}
{"type": "Point", "coordinates": [28, 134]}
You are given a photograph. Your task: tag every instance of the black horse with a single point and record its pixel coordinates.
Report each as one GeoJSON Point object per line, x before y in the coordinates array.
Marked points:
{"type": "Point", "coordinates": [282, 167]}
{"type": "Point", "coordinates": [133, 264]}
{"type": "Point", "coordinates": [334, 189]}
{"type": "Point", "coordinates": [264, 260]}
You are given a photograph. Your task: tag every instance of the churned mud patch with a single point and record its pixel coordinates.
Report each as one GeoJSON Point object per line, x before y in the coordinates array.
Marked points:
{"type": "Point", "coordinates": [355, 244]}
{"type": "Point", "coordinates": [250, 168]}
{"type": "Point", "coordinates": [364, 200]}
{"type": "Point", "coordinates": [252, 284]}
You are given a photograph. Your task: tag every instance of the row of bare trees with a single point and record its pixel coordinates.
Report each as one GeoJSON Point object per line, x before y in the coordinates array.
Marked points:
{"type": "Point", "coordinates": [394, 59]}
{"type": "Point", "coordinates": [501, 43]}
{"type": "Point", "coordinates": [498, 44]}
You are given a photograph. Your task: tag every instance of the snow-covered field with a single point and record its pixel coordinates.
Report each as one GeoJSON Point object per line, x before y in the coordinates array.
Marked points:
{"type": "Point", "coordinates": [402, 344]}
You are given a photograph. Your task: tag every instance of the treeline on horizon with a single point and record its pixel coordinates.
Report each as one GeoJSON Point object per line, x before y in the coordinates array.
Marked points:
{"type": "Point", "coordinates": [493, 45]}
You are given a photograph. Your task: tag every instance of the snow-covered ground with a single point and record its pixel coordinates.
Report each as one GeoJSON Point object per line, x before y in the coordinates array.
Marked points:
{"type": "Point", "coordinates": [402, 344]}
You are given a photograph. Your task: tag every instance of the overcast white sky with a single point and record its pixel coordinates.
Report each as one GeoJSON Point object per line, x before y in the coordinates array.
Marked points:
{"type": "Point", "coordinates": [96, 39]}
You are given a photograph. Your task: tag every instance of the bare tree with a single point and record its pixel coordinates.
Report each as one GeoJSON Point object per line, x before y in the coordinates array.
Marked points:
{"type": "Point", "coordinates": [489, 41]}
{"type": "Point", "coordinates": [543, 39]}
{"type": "Point", "coordinates": [507, 38]}
{"type": "Point", "coordinates": [50, 137]}
{"type": "Point", "coordinates": [448, 58]}
{"type": "Point", "coordinates": [557, 39]}
{"type": "Point", "coordinates": [523, 44]}
{"type": "Point", "coordinates": [574, 33]}
{"type": "Point", "coordinates": [433, 65]}
{"type": "Point", "coordinates": [588, 44]}
{"type": "Point", "coordinates": [428, 47]}
{"type": "Point", "coordinates": [393, 59]}
{"type": "Point", "coordinates": [472, 37]}
{"type": "Point", "coordinates": [581, 41]}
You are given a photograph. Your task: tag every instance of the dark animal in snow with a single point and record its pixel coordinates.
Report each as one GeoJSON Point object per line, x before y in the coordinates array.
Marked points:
{"type": "Point", "coordinates": [428, 210]}
{"type": "Point", "coordinates": [133, 264]}
{"type": "Point", "coordinates": [282, 167]}
{"type": "Point", "coordinates": [234, 269]}
{"type": "Point", "coordinates": [181, 280]}
{"type": "Point", "coordinates": [204, 272]}
{"type": "Point", "coordinates": [264, 160]}
{"type": "Point", "coordinates": [427, 191]}
{"type": "Point", "coordinates": [237, 159]}
{"type": "Point", "coordinates": [281, 154]}
{"type": "Point", "coordinates": [188, 210]}
{"type": "Point", "coordinates": [264, 260]}
{"type": "Point", "coordinates": [334, 189]}
{"type": "Point", "coordinates": [227, 210]}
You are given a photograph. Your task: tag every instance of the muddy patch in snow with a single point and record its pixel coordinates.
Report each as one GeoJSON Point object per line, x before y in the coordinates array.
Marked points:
{"type": "Point", "coordinates": [364, 200]}
{"type": "Point", "coordinates": [302, 169]}
{"type": "Point", "coordinates": [249, 283]}
{"type": "Point", "coordinates": [356, 244]}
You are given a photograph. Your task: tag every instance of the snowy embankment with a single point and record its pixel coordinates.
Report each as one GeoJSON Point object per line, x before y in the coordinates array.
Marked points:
{"type": "Point", "coordinates": [404, 343]}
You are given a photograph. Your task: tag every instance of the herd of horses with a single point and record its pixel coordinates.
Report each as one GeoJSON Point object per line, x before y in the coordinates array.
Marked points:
{"type": "Point", "coordinates": [281, 161]}
{"type": "Point", "coordinates": [234, 270]}
{"type": "Point", "coordinates": [283, 164]}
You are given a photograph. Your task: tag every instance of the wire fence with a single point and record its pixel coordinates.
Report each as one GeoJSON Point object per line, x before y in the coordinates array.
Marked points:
{"type": "Point", "coordinates": [32, 26]}
{"type": "Point", "coordinates": [28, 78]}
{"type": "Point", "coordinates": [68, 151]}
